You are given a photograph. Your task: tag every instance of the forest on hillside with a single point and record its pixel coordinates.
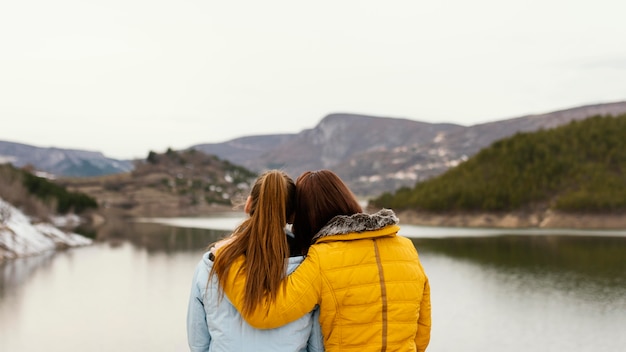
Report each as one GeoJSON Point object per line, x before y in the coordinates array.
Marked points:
{"type": "Point", "coordinates": [579, 167]}
{"type": "Point", "coordinates": [38, 196]}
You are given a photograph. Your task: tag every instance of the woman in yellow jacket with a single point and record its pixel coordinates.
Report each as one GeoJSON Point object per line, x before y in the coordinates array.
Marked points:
{"type": "Point", "coordinates": [368, 281]}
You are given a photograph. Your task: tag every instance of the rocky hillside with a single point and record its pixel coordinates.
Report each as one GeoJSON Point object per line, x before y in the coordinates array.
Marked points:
{"type": "Point", "coordinates": [21, 237]}
{"type": "Point", "coordinates": [38, 216]}
{"type": "Point", "coordinates": [244, 150]}
{"type": "Point", "coordinates": [355, 146]}
{"type": "Point", "coordinates": [377, 154]}
{"type": "Point", "coordinates": [170, 184]}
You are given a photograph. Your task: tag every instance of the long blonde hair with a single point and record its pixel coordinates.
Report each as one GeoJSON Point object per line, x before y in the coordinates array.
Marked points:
{"type": "Point", "coordinates": [261, 239]}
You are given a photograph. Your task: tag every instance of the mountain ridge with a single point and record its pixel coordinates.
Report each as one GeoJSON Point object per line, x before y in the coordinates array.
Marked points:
{"type": "Point", "coordinates": [59, 161]}
{"type": "Point", "coordinates": [568, 176]}
{"type": "Point", "coordinates": [401, 152]}
{"type": "Point", "coordinates": [373, 154]}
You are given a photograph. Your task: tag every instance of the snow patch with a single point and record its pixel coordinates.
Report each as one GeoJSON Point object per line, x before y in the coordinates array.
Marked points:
{"type": "Point", "coordinates": [19, 237]}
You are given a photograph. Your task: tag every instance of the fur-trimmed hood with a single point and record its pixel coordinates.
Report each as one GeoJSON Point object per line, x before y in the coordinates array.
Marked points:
{"type": "Point", "coordinates": [361, 222]}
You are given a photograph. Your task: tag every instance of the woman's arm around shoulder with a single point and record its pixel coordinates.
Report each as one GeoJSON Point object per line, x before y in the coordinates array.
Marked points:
{"type": "Point", "coordinates": [297, 296]}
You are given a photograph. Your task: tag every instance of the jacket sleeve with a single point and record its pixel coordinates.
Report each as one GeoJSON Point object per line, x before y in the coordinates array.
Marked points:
{"type": "Point", "coordinates": [422, 338]}
{"type": "Point", "coordinates": [316, 340]}
{"type": "Point", "coordinates": [198, 335]}
{"type": "Point", "coordinates": [297, 296]}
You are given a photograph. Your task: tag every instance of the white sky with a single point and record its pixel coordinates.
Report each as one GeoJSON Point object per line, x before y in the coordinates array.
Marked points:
{"type": "Point", "coordinates": [128, 76]}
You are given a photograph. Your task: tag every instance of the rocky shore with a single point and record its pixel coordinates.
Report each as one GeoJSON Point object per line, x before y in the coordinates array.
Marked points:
{"type": "Point", "coordinates": [547, 219]}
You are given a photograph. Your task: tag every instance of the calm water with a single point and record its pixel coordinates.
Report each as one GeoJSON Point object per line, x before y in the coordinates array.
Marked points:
{"type": "Point", "coordinates": [491, 291]}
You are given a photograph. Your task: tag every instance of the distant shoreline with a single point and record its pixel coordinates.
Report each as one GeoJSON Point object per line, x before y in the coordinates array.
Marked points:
{"type": "Point", "coordinates": [543, 220]}
{"type": "Point", "coordinates": [549, 219]}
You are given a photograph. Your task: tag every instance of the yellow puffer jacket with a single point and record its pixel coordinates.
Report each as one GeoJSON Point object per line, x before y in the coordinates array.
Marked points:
{"type": "Point", "coordinates": [369, 283]}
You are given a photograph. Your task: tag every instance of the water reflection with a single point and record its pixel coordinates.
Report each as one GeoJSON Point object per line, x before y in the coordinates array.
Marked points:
{"type": "Point", "coordinates": [148, 237]}
{"type": "Point", "coordinates": [155, 237]}
{"type": "Point", "coordinates": [497, 293]}
{"type": "Point", "coordinates": [14, 273]}
{"type": "Point", "coordinates": [591, 267]}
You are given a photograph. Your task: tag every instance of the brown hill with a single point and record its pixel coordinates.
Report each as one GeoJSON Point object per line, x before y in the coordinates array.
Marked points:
{"type": "Point", "coordinates": [171, 184]}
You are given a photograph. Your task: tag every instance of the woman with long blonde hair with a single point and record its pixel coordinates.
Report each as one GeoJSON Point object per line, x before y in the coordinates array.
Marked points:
{"type": "Point", "coordinates": [261, 240]}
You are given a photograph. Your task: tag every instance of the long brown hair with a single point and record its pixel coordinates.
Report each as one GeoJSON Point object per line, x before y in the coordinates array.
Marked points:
{"type": "Point", "coordinates": [320, 196]}
{"type": "Point", "coordinates": [261, 239]}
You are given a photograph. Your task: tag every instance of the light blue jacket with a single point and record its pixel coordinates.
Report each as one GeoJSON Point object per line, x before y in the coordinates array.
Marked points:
{"type": "Point", "coordinates": [214, 324]}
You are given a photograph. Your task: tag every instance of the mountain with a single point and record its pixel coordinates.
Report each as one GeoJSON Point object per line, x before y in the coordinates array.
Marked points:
{"type": "Point", "coordinates": [245, 149]}
{"type": "Point", "coordinates": [577, 168]}
{"type": "Point", "coordinates": [372, 154]}
{"type": "Point", "coordinates": [61, 162]}
{"type": "Point", "coordinates": [336, 140]}
{"type": "Point", "coordinates": [470, 140]}
{"type": "Point", "coordinates": [174, 183]}
{"type": "Point", "coordinates": [379, 154]}
{"type": "Point", "coordinates": [358, 147]}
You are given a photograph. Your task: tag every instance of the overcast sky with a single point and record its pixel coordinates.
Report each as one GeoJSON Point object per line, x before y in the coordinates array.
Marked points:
{"type": "Point", "coordinates": [128, 76]}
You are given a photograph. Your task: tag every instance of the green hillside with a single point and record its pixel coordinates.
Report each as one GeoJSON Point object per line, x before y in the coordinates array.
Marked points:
{"type": "Point", "coordinates": [579, 167]}
{"type": "Point", "coordinates": [38, 196]}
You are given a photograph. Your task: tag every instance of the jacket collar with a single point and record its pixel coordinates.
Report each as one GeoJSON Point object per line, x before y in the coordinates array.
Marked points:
{"type": "Point", "coordinates": [361, 222]}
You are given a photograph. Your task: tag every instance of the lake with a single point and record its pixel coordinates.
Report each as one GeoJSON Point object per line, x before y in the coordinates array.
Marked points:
{"type": "Point", "coordinates": [492, 290]}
